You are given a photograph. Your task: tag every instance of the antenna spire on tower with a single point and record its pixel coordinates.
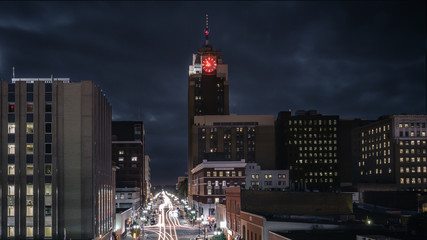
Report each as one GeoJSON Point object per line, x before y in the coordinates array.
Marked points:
{"type": "Point", "coordinates": [13, 72]}
{"type": "Point", "coordinates": [207, 31]}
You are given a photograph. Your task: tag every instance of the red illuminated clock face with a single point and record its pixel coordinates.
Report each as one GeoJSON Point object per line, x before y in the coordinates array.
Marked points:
{"type": "Point", "coordinates": [209, 64]}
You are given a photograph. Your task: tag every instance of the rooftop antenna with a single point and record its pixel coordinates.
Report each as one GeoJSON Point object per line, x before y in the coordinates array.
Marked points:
{"type": "Point", "coordinates": [13, 72]}
{"type": "Point", "coordinates": [207, 31]}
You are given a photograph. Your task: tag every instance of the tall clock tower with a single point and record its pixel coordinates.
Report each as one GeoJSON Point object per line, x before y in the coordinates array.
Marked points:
{"type": "Point", "coordinates": [207, 89]}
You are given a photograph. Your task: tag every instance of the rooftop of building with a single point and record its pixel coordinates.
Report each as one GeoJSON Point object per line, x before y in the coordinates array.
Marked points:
{"type": "Point", "coordinates": [234, 120]}
{"type": "Point", "coordinates": [272, 203]}
{"type": "Point", "coordinates": [46, 80]}
{"type": "Point", "coordinates": [377, 234]}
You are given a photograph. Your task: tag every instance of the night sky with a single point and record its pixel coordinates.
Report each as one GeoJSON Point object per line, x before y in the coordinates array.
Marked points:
{"type": "Point", "coordinates": [352, 59]}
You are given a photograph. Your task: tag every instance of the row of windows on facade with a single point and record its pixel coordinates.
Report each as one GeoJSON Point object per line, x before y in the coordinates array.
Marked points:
{"type": "Point", "coordinates": [417, 124]}
{"type": "Point", "coordinates": [413, 143]}
{"type": "Point", "coordinates": [133, 159]}
{"type": "Point", "coordinates": [30, 87]}
{"type": "Point", "coordinates": [412, 134]}
{"type": "Point", "coordinates": [221, 173]}
{"type": "Point", "coordinates": [376, 153]}
{"type": "Point", "coordinates": [268, 183]}
{"type": "Point", "coordinates": [30, 107]}
{"type": "Point", "coordinates": [376, 139]}
{"type": "Point", "coordinates": [318, 129]}
{"type": "Point", "coordinates": [377, 162]}
{"type": "Point", "coordinates": [122, 195]}
{"type": "Point", "coordinates": [29, 129]}
{"type": "Point", "coordinates": [315, 180]}
{"type": "Point", "coordinates": [313, 122]}
{"type": "Point", "coordinates": [377, 130]}
{"type": "Point", "coordinates": [412, 151]}
{"type": "Point", "coordinates": [316, 161]}
{"type": "Point", "coordinates": [268, 176]}
{"type": "Point", "coordinates": [317, 155]}
{"type": "Point", "coordinates": [30, 97]}
{"type": "Point", "coordinates": [11, 148]}
{"type": "Point", "coordinates": [377, 172]}
{"type": "Point", "coordinates": [413, 181]}
{"type": "Point", "coordinates": [317, 136]}
{"type": "Point", "coordinates": [412, 159]}
{"type": "Point", "coordinates": [29, 231]}
{"type": "Point", "coordinates": [29, 169]}
{"type": "Point", "coordinates": [413, 169]}
{"type": "Point", "coordinates": [310, 142]}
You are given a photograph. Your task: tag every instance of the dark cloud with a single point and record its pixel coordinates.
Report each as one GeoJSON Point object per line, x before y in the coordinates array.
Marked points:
{"type": "Point", "coordinates": [353, 59]}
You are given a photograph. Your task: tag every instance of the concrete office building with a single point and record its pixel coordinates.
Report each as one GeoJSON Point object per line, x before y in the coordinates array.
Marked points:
{"type": "Point", "coordinates": [262, 179]}
{"type": "Point", "coordinates": [234, 137]}
{"type": "Point", "coordinates": [56, 178]}
{"type": "Point", "coordinates": [307, 145]}
{"type": "Point", "coordinates": [393, 151]}
{"type": "Point", "coordinates": [128, 148]}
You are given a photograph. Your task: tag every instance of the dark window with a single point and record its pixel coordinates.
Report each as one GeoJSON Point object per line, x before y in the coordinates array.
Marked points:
{"type": "Point", "coordinates": [11, 158]}
{"type": "Point", "coordinates": [48, 179]}
{"type": "Point", "coordinates": [11, 108]}
{"type": "Point", "coordinates": [48, 117]}
{"type": "Point", "coordinates": [29, 107]}
{"type": "Point", "coordinates": [11, 87]}
{"type": "Point", "coordinates": [48, 87]}
{"type": "Point", "coordinates": [11, 118]}
{"type": "Point", "coordinates": [48, 158]}
{"type": "Point", "coordinates": [48, 148]}
{"type": "Point", "coordinates": [48, 210]}
{"type": "Point", "coordinates": [11, 138]}
{"type": "Point", "coordinates": [29, 97]}
{"type": "Point", "coordinates": [48, 128]}
{"type": "Point", "coordinates": [11, 97]}
{"type": "Point", "coordinates": [48, 97]}
{"type": "Point", "coordinates": [29, 138]}
{"type": "Point", "coordinates": [48, 138]}
{"type": "Point", "coordinates": [30, 87]}
{"type": "Point", "coordinates": [29, 117]}
{"type": "Point", "coordinates": [30, 158]}
{"type": "Point", "coordinates": [48, 107]}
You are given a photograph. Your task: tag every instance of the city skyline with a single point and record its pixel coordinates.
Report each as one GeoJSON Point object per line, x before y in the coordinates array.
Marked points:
{"type": "Point", "coordinates": [355, 60]}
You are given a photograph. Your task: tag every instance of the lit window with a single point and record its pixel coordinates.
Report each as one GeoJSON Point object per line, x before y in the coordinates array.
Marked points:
{"type": "Point", "coordinates": [30, 211]}
{"type": "Point", "coordinates": [11, 190]}
{"type": "Point", "coordinates": [30, 189]}
{"type": "Point", "coordinates": [208, 174]}
{"type": "Point", "coordinates": [221, 173]}
{"type": "Point", "coordinates": [11, 149]}
{"type": "Point", "coordinates": [48, 231]}
{"type": "Point", "coordinates": [121, 159]}
{"type": "Point", "coordinates": [11, 231]}
{"type": "Point", "coordinates": [209, 191]}
{"type": "Point", "coordinates": [30, 169]}
{"type": "Point", "coordinates": [239, 173]}
{"type": "Point", "coordinates": [11, 128]}
{"type": "Point", "coordinates": [134, 159]}
{"type": "Point", "coordinates": [48, 189]}
{"type": "Point", "coordinates": [30, 128]}
{"type": "Point", "coordinates": [30, 148]}
{"type": "Point", "coordinates": [122, 196]}
{"type": "Point", "coordinates": [10, 211]}
{"type": "Point", "coordinates": [29, 232]}
{"type": "Point", "coordinates": [11, 169]}
{"type": "Point", "coordinates": [214, 173]}
{"type": "Point", "coordinates": [48, 169]}
{"type": "Point", "coordinates": [121, 152]}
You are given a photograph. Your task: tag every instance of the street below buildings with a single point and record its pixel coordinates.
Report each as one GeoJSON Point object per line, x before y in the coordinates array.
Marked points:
{"type": "Point", "coordinates": [168, 224]}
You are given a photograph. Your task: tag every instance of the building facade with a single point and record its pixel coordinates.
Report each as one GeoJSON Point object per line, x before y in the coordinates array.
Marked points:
{"type": "Point", "coordinates": [56, 178]}
{"type": "Point", "coordinates": [128, 152]}
{"type": "Point", "coordinates": [393, 150]}
{"type": "Point", "coordinates": [307, 145]}
{"type": "Point", "coordinates": [147, 176]}
{"type": "Point", "coordinates": [207, 91]}
{"type": "Point", "coordinates": [259, 179]}
{"type": "Point", "coordinates": [234, 137]}
{"type": "Point", "coordinates": [210, 180]}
